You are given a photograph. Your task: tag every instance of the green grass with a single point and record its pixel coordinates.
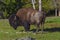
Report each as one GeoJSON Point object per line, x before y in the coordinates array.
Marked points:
{"type": "Point", "coordinates": [52, 32]}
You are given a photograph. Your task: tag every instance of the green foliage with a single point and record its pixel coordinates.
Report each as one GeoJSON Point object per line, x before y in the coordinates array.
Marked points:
{"type": "Point", "coordinates": [11, 6]}
{"type": "Point", "coordinates": [27, 5]}
{"type": "Point", "coordinates": [5, 14]}
{"type": "Point", "coordinates": [6, 2]}
{"type": "Point", "coordinates": [58, 4]}
{"type": "Point", "coordinates": [47, 5]}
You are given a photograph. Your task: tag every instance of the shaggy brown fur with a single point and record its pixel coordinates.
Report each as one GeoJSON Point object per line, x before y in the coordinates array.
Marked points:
{"type": "Point", "coordinates": [28, 16]}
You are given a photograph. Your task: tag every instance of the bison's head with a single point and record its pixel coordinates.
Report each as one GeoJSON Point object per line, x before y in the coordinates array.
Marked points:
{"type": "Point", "coordinates": [14, 21]}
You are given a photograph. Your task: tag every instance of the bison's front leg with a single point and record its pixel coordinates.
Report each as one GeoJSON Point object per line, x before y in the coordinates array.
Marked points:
{"type": "Point", "coordinates": [26, 26]}
{"type": "Point", "coordinates": [37, 27]}
{"type": "Point", "coordinates": [42, 26]}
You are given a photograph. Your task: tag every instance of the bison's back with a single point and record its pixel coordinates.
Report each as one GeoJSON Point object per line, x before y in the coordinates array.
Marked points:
{"type": "Point", "coordinates": [30, 15]}
{"type": "Point", "coordinates": [25, 13]}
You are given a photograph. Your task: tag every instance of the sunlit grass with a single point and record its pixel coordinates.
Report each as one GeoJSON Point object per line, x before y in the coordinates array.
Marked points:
{"type": "Point", "coordinates": [52, 32]}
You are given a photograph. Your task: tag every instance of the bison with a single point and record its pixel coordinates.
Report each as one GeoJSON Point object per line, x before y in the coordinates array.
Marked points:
{"type": "Point", "coordinates": [26, 17]}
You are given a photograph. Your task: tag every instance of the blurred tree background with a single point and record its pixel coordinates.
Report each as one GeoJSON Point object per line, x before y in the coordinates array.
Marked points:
{"type": "Point", "coordinates": [8, 7]}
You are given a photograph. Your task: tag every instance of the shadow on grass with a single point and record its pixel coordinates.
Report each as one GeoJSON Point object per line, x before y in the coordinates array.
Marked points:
{"type": "Point", "coordinates": [56, 29]}
{"type": "Point", "coordinates": [49, 29]}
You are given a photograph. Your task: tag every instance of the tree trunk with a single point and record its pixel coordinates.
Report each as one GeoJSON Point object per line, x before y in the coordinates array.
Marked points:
{"type": "Point", "coordinates": [40, 5]}
{"type": "Point", "coordinates": [59, 12]}
{"type": "Point", "coordinates": [55, 5]}
{"type": "Point", "coordinates": [33, 3]}
{"type": "Point", "coordinates": [56, 12]}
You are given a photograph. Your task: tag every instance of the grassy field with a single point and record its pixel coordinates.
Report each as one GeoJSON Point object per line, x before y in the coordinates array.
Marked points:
{"type": "Point", "coordinates": [52, 30]}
